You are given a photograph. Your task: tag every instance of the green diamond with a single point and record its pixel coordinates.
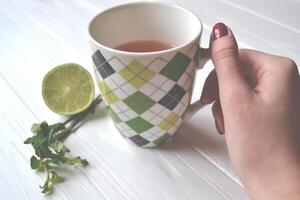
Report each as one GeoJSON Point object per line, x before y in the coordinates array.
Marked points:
{"type": "Point", "coordinates": [176, 67]}
{"type": "Point", "coordinates": [162, 139]}
{"type": "Point", "coordinates": [139, 125]}
{"type": "Point", "coordinates": [139, 102]}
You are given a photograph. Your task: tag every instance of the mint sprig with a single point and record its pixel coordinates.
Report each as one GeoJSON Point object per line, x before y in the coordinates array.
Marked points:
{"type": "Point", "coordinates": [49, 148]}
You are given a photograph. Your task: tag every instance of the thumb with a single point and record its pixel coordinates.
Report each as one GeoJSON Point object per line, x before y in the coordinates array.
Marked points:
{"type": "Point", "coordinates": [225, 56]}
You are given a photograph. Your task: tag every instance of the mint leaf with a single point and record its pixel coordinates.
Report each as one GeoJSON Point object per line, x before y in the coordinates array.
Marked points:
{"type": "Point", "coordinates": [35, 163]}
{"type": "Point", "coordinates": [49, 148]}
{"type": "Point", "coordinates": [58, 146]}
{"type": "Point", "coordinates": [44, 128]}
{"type": "Point", "coordinates": [36, 128]}
{"type": "Point", "coordinates": [52, 161]}
{"type": "Point", "coordinates": [54, 129]}
{"type": "Point", "coordinates": [36, 141]}
{"type": "Point", "coordinates": [77, 160]}
{"type": "Point", "coordinates": [47, 187]}
{"type": "Point", "coordinates": [54, 178]}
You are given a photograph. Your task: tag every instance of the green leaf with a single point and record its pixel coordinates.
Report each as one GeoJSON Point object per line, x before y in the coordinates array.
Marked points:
{"type": "Point", "coordinates": [54, 178]}
{"type": "Point", "coordinates": [47, 187]}
{"type": "Point", "coordinates": [36, 128]}
{"type": "Point", "coordinates": [57, 126]}
{"type": "Point", "coordinates": [54, 128]}
{"type": "Point", "coordinates": [44, 129]}
{"type": "Point", "coordinates": [58, 146]}
{"type": "Point", "coordinates": [77, 160]}
{"type": "Point", "coordinates": [52, 161]}
{"type": "Point", "coordinates": [57, 179]}
{"type": "Point", "coordinates": [36, 141]}
{"type": "Point", "coordinates": [35, 163]}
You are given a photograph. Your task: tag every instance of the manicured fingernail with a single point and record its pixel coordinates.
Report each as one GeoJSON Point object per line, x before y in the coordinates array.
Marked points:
{"type": "Point", "coordinates": [218, 128]}
{"type": "Point", "coordinates": [219, 31]}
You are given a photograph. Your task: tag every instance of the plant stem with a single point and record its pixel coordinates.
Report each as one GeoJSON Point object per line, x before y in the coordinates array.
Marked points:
{"type": "Point", "coordinates": [75, 119]}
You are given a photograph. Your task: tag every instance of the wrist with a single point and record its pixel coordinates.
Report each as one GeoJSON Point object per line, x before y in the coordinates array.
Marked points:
{"type": "Point", "coordinates": [277, 182]}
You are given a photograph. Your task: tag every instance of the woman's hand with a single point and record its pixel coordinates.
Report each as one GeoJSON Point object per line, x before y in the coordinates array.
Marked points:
{"type": "Point", "coordinates": [256, 103]}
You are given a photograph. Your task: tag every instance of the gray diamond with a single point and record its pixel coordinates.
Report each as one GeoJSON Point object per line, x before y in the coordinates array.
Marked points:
{"type": "Point", "coordinates": [138, 140]}
{"type": "Point", "coordinates": [102, 65]}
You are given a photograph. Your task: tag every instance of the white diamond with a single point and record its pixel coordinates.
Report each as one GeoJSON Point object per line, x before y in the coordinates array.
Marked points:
{"type": "Point", "coordinates": [147, 115]}
{"type": "Point", "coordinates": [164, 113]}
{"type": "Point", "coordinates": [191, 69]}
{"type": "Point", "coordinates": [98, 77]}
{"type": "Point", "coordinates": [128, 89]}
{"type": "Point", "coordinates": [185, 99]}
{"type": "Point", "coordinates": [122, 105]}
{"type": "Point", "coordinates": [158, 80]}
{"type": "Point", "coordinates": [129, 133]}
{"type": "Point", "coordinates": [130, 114]}
{"type": "Point", "coordinates": [187, 85]}
{"type": "Point", "coordinates": [115, 108]}
{"type": "Point", "coordinates": [148, 89]}
{"type": "Point", "coordinates": [156, 120]}
{"type": "Point", "coordinates": [111, 84]}
{"type": "Point", "coordinates": [183, 79]}
{"type": "Point", "coordinates": [117, 79]}
{"type": "Point", "coordinates": [157, 108]}
{"type": "Point", "coordinates": [157, 64]}
{"type": "Point", "coordinates": [179, 109]}
{"type": "Point", "coordinates": [120, 93]}
{"type": "Point", "coordinates": [178, 123]}
{"type": "Point", "coordinates": [116, 64]}
{"type": "Point", "coordinates": [160, 133]}
{"type": "Point", "coordinates": [150, 145]}
{"type": "Point", "coordinates": [154, 130]}
{"type": "Point", "coordinates": [122, 126]}
{"type": "Point", "coordinates": [123, 117]}
{"type": "Point", "coordinates": [147, 135]}
{"type": "Point", "coordinates": [158, 95]}
{"type": "Point", "coordinates": [168, 85]}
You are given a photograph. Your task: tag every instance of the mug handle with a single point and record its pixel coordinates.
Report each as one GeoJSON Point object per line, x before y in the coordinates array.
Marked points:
{"type": "Point", "coordinates": [203, 56]}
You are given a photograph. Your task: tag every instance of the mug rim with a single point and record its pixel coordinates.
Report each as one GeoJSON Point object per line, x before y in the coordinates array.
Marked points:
{"type": "Point", "coordinates": [151, 53]}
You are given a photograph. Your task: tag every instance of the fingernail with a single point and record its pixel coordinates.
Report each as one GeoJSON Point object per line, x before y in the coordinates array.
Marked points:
{"type": "Point", "coordinates": [219, 31]}
{"type": "Point", "coordinates": [218, 128]}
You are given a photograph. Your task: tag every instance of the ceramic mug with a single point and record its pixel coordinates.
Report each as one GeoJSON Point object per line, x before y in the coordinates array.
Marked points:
{"type": "Point", "coordinates": [147, 94]}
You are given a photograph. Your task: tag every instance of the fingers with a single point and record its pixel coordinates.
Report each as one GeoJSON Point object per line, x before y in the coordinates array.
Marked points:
{"type": "Point", "coordinates": [218, 116]}
{"type": "Point", "coordinates": [210, 89]}
{"type": "Point", "coordinates": [225, 56]}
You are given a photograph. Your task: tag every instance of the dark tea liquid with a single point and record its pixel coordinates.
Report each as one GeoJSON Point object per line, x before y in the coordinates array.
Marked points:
{"type": "Point", "coordinates": [144, 46]}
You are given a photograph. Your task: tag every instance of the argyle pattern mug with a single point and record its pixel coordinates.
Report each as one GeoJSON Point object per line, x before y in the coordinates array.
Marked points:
{"type": "Point", "coordinates": [147, 94]}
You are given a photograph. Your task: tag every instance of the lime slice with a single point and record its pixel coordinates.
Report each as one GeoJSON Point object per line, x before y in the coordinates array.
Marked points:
{"type": "Point", "coordinates": [68, 89]}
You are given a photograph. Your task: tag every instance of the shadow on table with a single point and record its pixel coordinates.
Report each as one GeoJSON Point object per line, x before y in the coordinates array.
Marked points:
{"type": "Point", "coordinates": [191, 137]}
{"type": "Point", "coordinates": [100, 112]}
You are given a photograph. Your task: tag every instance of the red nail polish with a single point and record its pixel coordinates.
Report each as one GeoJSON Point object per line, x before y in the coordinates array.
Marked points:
{"type": "Point", "coordinates": [219, 31]}
{"type": "Point", "coordinates": [218, 128]}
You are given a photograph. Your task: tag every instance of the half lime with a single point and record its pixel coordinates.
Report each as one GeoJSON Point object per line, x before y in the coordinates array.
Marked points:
{"type": "Point", "coordinates": [68, 89]}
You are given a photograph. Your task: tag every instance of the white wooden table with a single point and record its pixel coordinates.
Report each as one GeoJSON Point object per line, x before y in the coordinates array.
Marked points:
{"type": "Point", "coordinates": [36, 35]}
